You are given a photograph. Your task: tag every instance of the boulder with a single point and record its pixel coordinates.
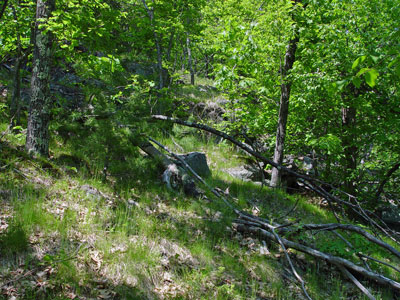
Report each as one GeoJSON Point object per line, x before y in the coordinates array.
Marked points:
{"type": "Point", "coordinates": [246, 173]}
{"type": "Point", "coordinates": [149, 70]}
{"type": "Point", "coordinates": [198, 162]}
{"type": "Point", "coordinates": [390, 214]}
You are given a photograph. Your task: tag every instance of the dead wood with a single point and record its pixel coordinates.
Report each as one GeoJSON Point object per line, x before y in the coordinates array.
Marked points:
{"type": "Point", "coordinates": [335, 260]}
{"type": "Point", "coordinates": [238, 212]}
{"type": "Point", "coordinates": [314, 184]}
{"type": "Point", "coordinates": [356, 282]}
{"type": "Point", "coordinates": [379, 261]}
{"type": "Point", "coordinates": [172, 176]}
{"type": "Point", "coordinates": [298, 277]}
{"type": "Point", "coordinates": [353, 228]}
{"type": "Point", "coordinates": [264, 228]}
{"type": "Point", "coordinates": [196, 176]}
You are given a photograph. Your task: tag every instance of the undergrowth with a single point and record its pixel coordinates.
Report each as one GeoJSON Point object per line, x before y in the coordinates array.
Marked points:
{"type": "Point", "coordinates": [95, 223]}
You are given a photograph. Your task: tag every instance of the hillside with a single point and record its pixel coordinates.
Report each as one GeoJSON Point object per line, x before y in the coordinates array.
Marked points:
{"type": "Point", "coordinates": [71, 230]}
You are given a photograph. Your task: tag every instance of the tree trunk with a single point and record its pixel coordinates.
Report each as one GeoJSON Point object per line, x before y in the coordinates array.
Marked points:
{"type": "Point", "coordinates": [170, 44]}
{"type": "Point", "coordinates": [349, 142]}
{"type": "Point", "coordinates": [37, 140]}
{"type": "Point", "coordinates": [190, 60]}
{"type": "Point", "coordinates": [283, 109]}
{"type": "Point", "coordinates": [183, 60]}
{"type": "Point", "coordinates": [159, 61]}
{"type": "Point", "coordinates": [157, 41]}
{"type": "Point", "coordinates": [16, 96]}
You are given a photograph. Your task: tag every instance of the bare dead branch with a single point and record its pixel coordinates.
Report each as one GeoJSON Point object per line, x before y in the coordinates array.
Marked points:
{"type": "Point", "coordinates": [335, 260]}
{"type": "Point", "coordinates": [298, 277]}
{"type": "Point", "coordinates": [312, 182]}
{"type": "Point", "coordinates": [353, 228]}
{"type": "Point", "coordinates": [266, 229]}
{"type": "Point", "coordinates": [379, 261]}
{"type": "Point", "coordinates": [356, 282]}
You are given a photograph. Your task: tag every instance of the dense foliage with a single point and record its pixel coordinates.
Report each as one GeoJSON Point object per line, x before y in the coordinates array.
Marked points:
{"type": "Point", "coordinates": [125, 57]}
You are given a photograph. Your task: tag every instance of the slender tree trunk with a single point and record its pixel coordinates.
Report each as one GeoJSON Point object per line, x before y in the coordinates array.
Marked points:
{"type": "Point", "coordinates": [157, 40]}
{"type": "Point", "coordinates": [37, 140]}
{"type": "Point", "coordinates": [190, 59]}
{"type": "Point", "coordinates": [16, 96]}
{"type": "Point", "coordinates": [283, 109]}
{"type": "Point", "coordinates": [349, 145]}
{"type": "Point", "coordinates": [183, 60]}
{"type": "Point", "coordinates": [159, 61]}
{"type": "Point", "coordinates": [170, 44]}
{"type": "Point", "coordinates": [206, 66]}
{"type": "Point", "coordinates": [175, 62]}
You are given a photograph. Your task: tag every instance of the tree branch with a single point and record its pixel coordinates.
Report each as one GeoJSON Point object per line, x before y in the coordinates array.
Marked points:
{"type": "Point", "coordinates": [385, 180]}
{"type": "Point", "coordinates": [335, 260]}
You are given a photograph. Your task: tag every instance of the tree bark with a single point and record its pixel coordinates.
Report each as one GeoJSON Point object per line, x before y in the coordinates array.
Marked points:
{"type": "Point", "coordinates": [157, 41]}
{"type": "Point", "coordinates": [313, 184]}
{"type": "Point", "coordinates": [16, 96]}
{"type": "Point", "coordinates": [37, 140]}
{"type": "Point", "coordinates": [190, 60]}
{"type": "Point", "coordinates": [170, 44]}
{"type": "Point", "coordinates": [283, 109]}
{"type": "Point", "coordinates": [323, 256]}
{"type": "Point", "coordinates": [348, 142]}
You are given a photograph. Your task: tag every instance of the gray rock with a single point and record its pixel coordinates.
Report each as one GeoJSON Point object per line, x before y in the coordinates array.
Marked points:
{"type": "Point", "coordinates": [91, 191]}
{"type": "Point", "coordinates": [309, 165]}
{"type": "Point", "coordinates": [146, 70]}
{"type": "Point", "coordinates": [246, 173]}
{"type": "Point", "coordinates": [391, 214]}
{"type": "Point", "coordinates": [198, 162]}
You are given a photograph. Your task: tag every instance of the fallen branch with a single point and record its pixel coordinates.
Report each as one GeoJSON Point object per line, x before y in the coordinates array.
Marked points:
{"type": "Point", "coordinates": [265, 228]}
{"type": "Point", "coordinates": [298, 277]}
{"type": "Point", "coordinates": [356, 282]}
{"type": "Point", "coordinates": [238, 212]}
{"type": "Point", "coordinates": [379, 261]}
{"type": "Point", "coordinates": [353, 228]}
{"type": "Point", "coordinates": [316, 184]}
{"type": "Point", "coordinates": [335, 260]}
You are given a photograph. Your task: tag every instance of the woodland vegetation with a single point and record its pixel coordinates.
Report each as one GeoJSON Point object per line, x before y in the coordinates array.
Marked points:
{"type": "Point", "coordinates": [290, 110]}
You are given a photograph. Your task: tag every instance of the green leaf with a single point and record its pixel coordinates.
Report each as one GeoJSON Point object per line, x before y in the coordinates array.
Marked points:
{"type": "Point", "coordinates": [371, 76]}
{"type": "Point", "coordinates": [374, 58]}
{"type": "Point", "coordinates": [398, 70]}
{"type": "Point", "coordinates": [362, 71]}
{"type": "Point", "coordinates": [356, 82]}
{"type": "Point", "coordinates": [358, 61]}
{"type": "Point", "coordinates": [340, 84]}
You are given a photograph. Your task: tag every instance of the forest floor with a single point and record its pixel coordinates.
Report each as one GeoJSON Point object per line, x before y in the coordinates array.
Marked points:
{"type": "Point", "coordinates": [70, 231]}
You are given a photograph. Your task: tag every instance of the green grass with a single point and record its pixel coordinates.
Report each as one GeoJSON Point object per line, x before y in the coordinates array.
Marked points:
{"type": "Point", "coordinates": [167, 247]}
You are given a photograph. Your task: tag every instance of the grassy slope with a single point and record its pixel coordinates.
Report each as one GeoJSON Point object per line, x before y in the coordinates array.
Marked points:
{"type": "Point", "coordinates": [65, 234]}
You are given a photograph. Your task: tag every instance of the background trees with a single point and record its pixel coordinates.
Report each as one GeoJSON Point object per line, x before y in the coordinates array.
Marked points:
{"type": "Point", "coordinates": [343, 84]}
